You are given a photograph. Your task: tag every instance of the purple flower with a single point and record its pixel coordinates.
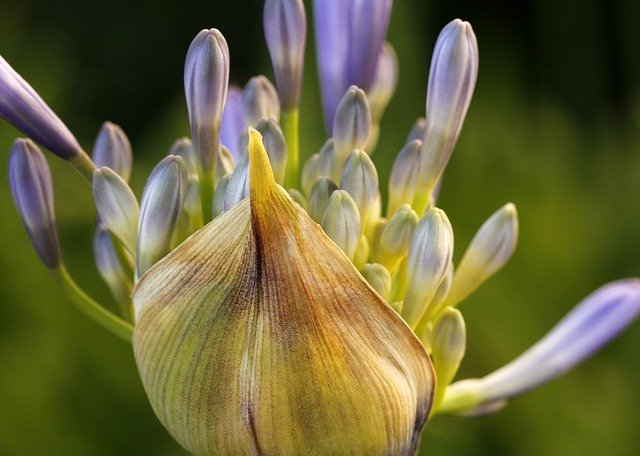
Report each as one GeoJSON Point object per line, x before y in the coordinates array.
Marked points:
{"type": "Point", "coordinates": [32, 191]}
{"type": "Point", "coordinates": [349, 39]}
{"type": "Point", "coordinates": [24, 108]}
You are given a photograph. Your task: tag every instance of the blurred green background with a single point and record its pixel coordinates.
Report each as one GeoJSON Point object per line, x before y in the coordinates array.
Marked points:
{"type": "Point", "coordinates": [554, 127]}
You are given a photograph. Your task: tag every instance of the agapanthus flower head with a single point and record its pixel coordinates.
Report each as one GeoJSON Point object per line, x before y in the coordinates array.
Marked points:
{"type": "Point", "coordinates": [276, 308]}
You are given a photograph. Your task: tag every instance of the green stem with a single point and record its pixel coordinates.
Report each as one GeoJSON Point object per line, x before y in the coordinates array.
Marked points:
{"type": "Point", "coordinates": [206, 195]}
{"type": "Point", "coordinates": [83, 164]}
{"type": "Point", "coordinates": [290, 128]}
{"type": "Point", "coordinates": [89, 307]}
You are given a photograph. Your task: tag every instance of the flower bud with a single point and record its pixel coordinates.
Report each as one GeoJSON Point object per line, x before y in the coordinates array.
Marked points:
{"type": "Point", "coordinates": [225, 163]}
{"type": "Point", "coordinates": [276, 147]}
{"type": "Point", "coordinates": [297, 196]}
{"type": "Point", "coordinates": [490, 249]}
{"type": "Point", "coordinates": [237, 188]}
{"type": "Point", "coordinates": [206, 80]}
{"type": "Point", "coordinates": [341, 222]}
{"type": "Point", "coordinates": [162, 199]}
{"type": "Point", "coordinates": [448, 344]}
{"type": "Point", "coordinates": [32, 190]}
{"type": "Point", "coordinates": [219, 195]}
{"type": "Point", "coordinates": [378, 277]}
{"type": "Point", "coordinates": [404, 176]}
{"type": "Point", "coordinates": [384, 82]}
{"type": "Point", "coordinates": [429, 256]}
{"type": "Point", "coordinates": [360, 179]}
{"type": "Point", "coordinates": [247, 334]}
{"type": "Point", "coordinates": [319, 198]}
{"type": "Point", "coordinates": [352, 123]}
{"type": "Point", "coordinates": [23, 108]}
{"type": "Point", "coordinates": [260, 101]}
{"type": "Point", "coordinates": [309, 173]}
{"type": "Point", "coordinates": [117, 206]}
{"type": "Point", "coordinates": [417, 131]}
{"type": "Point", "coordinates": [285, 28]}
{"type": "Point", "coordinates": [233, 124]}
{"type": "Point", "coordinates": [110, 267]}
{"type": "Point", "coordinates": [113, 150]}
{"type": "Point", "coordinates": [395, 239]}
{"type": "Point", "coordinates": [191, 218]}
{"type": "Point", "coordinates": [452, 78]}
{"type": "Point", "coordinates": [593, 323]}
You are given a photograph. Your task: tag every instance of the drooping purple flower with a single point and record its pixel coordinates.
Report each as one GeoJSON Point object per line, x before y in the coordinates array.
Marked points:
{"type": "Point", "coordinates": [27, 111]}
{"type": "Point", "coordinates": [32, 190]}
{"type": "Point", "coordinates": [233, 124]}
{"type": "Point", "coordinates": [285, 28]}
{"type": "Point", "coordinates": [349, 39]}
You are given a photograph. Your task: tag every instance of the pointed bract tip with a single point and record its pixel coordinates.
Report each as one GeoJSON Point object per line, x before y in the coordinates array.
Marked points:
{"type": "Point", "coordinates": [261, 179]}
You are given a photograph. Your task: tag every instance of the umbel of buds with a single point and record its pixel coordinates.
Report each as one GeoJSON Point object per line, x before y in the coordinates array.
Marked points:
{"type": "Point", "coordinates": [284, 309]}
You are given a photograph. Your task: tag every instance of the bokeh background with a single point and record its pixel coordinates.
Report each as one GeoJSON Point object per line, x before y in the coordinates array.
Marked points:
{"type": "Point", "coordinates": [554, 127]}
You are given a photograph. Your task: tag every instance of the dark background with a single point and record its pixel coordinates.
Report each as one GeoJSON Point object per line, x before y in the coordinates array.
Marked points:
{"type": "Point", "coordinates": [554, 127]}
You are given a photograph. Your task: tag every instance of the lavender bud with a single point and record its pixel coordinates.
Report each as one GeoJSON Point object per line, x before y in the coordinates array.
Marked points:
{"type": "Point", "coordinates": [117, 206]}
{"type": "Point", "coordinates": [341, 222]}
{"type": "Point", "coordinates": [274, 143]}
{"type": "Point", "coordinates": [162, 199]}
{"type": "Point", "coordinates": [32, 190]}
{"type": "Point", "coordinates": [352, 123]}
{"type": "Point", "coordinates": [418, 130]}
{"type": "Point", "coordinates": [384, 82]}
{"type": "Point", "coordinates": [219, 195]}
{"type": "Point", "coordinates": [360, 179]}
{"type": "Point", "coordinates": [110, 266]}
{"type": "Point", "coordinates": [206, 80]}
{"type": "Point", "coordinates": [319, 198]}
{"type": "Point", "coordinates": [238, 187]}
{"type": "Point", "coordinates": [285, 28]}
{"type": "Point", "coordinates": [21, 106]}
{"type": "Point", "coordinates": [260, 101]}
{"type": "Point", "coordinates": [233, 124]}
{"type": "Point", "coordinates": [404, 176]}
{"type": "Point", "coordinates": [113, 150]}
{"type": "Point", "coordinates": [452, 78]}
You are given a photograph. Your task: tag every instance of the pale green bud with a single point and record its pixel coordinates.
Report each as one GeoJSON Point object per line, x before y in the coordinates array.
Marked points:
{"type": "Point", "coordinates": [490, 249]}
{"type": "Point", "coordinates": [225, 162]}
{"type": "Point", "coordinates": [429, 256]}
{"type": "Point", "coordinates": [276, 147]}
{"type": "Point", "coordinates": [362, 252]}
{"type": "Point", "coordinates": [360, 179]}
{"type": "Point", "coordinates": [117, 206]}
{"type": "Point", "coordinates": [396, 237]}
{"type": "Point", "coordinates": [260, 101]}
{"type": "Point", "coordinates": [162, 199]}
{"type": "Point", "coordinates": [352, 123]}
{"type": "Point", "coordinates": [309, 173]}
{"type": "Point", "coordinates": [319, 198]}
{"type": "Point", "coordinates": [341, 222]}
{"type": "Point", "coordinates": [297, 196]}
{"type": "Point", "coordinates": [378, 277]}
{"type": "Point", "coordinates": [448, 344]}
{"type": "Point", "coordinates": [404, 176]}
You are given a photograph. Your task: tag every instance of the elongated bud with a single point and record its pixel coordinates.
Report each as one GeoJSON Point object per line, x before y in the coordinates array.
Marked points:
{"type": "Point", "coordinates": [378, 277]}
{"type": "Point", "coordinates": [417, 130]}
{"type": "Point", "coordinates": [404, 176]}
{"type": "Point", "coordinates": [32, 191]}
{"type": "Point", "coordinates": [384, 82]}
{"type": "Point", "coordinates": [24, 109]}
{"type": "Point", "coordinates": [309, 173]}
{"type": "Point", "coordinates": [341, 222]}
{"type": "Point", "coordinates": [360, 179]}
{"type": "Point", "coordinates": [429, 255]}
{"type": "Point", "coordinates": [206, 80]}
{"type": "Point", "coordinates": [110, 266]}
{"type": "Point", "coordinates": [593, 323]}
{"type": "Point", "coordinates": [276, 147]}
{"type": "Point", "coordinates": [231, 295]}
{"type": "Point", "coordinates": [184, 148]}
{"type": "Point", "coordinates": [162, 199]}
{"type": "Point", "coordinates": [352, 123]}
{"type": "Point", "coordinates": [285, 28]}
{"type": "Point", "coordinates": [260, 101]}
{"type": "Point", "coordinates": [452, 78]}
{"type": "Point", "coordinates": [396, 237]}
{"type": "Point", "coordinates": [490, 249]}
{"type": "Point", "coordinates": [319, 198]}
{"type": "Point", "coordinates": [233, 124]}
{"type": "Point", "coordinates": [448, 344]}
{"type": "Point", "coordinates": [237, 188]}
{"type": "Point", "coordinates": [117, 206]}
{"type": "Point", "coordinates": [113, 150]}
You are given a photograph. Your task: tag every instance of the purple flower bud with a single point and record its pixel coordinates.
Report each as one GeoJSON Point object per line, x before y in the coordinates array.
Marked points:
{"type": "Point", "coordinates": [32, 191]}
{"type": "Point", "coordinates": [285, 28]}
{"type": "Point", "coordinates": [110, 266]}
{"type": "Point", "coordinates": [352, 123]}
{"type": "Point", "coordinates": [276, 147]}
{"type": "Point", "coordinates": [452, 78]}
{"type": "Point", "coordinates": [162, 199]}
{"type": "Point", "coordinates": [260, 101]}
{"type": "Point", "coordinates": [206, 79]}
{"type": "Point", "coordinates": [24, 108]}
{"type": "Point", "coordinates": [233, 124]}
{"type": "Point", "coordinates": [385, 80]}
{"type": "Point", "coordinates": [113, 150]}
